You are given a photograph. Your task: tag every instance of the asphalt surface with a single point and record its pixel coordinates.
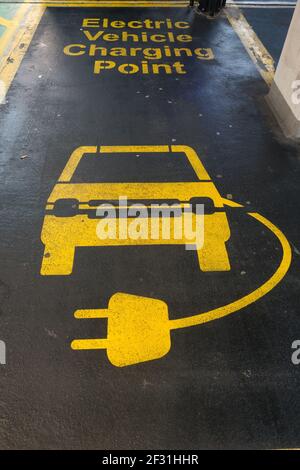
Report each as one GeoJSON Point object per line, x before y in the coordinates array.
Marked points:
{"type": "Point", "coordinates": [226, 383]}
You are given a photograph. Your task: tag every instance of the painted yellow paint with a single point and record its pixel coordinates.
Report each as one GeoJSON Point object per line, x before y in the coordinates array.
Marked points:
{"type": "Point", "coordinates": [12, 26]}
{"type": "Point", "coordinates": [139, 328]}
{"type": "Point", "coordinates": [5, 22]}
{"type": "Point", "coordinates": [136, 205]}
{"type": "Point", "coordinates": [21, 28]}
{"type": "Point", "coordinates": [85, 192]}
{"type": "Point", "coordinates": [132, 337]}
{"type": "Point", "coordinates": [15, 41]}
{"type": "Point", "coordinates": [133, 148]}
{"type": "Point", "coordinates": [74, 161]}
{"type": "Point", "coordinates": [118, 4]}
{"type": "Point", "coordinates": [24, 24]}
{"type": "Point", "coordinates": [262, 59]}
{"type": "Point", "coordinates": [90, 344]}
{"type": "Point", "coordinates": [252, 297]}
{"type": "Point", "coordinates": [62, 235]}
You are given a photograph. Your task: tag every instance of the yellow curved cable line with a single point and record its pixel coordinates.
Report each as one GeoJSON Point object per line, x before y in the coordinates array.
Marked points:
{"type": "Point", "coordinates": [248, 299]}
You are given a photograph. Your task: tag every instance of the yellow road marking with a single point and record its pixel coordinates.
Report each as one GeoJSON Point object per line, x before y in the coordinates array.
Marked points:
{"type": "Point", "coordinates": [22, 30]}
{"type": "Point", "coordinates": [5, 22]}
{"type": "Point", "coordinates": [90, 344]}
{"type": "Point", "coordinates": [79, 153]}
{"type": "Point", "coordinates": [260, 56]}
{"type": "Point", "coordinates": [73, 162]}
{"type": "Point", "coordinates": [91, 313]}
{"type": "Point", "coordinates": [112, 191]}
{"type": "Point", "coordinates": [138, 328]}
{"type": "Point", "coordinates": [11, 30]}
{"type": "Point", "coordinates": [27, 18]}
{"type": "Point", "coordinates": [133, 148]}
{"type": "Point", "coordinates": [113, 4]}
{"type": "Point", "coordinates": [62, 235]}
{"type": "Point", "coordinates": [86, 206]}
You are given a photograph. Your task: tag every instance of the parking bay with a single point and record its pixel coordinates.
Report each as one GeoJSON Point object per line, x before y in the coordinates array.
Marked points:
{"type": "Point", "coordinates": [211, 379]}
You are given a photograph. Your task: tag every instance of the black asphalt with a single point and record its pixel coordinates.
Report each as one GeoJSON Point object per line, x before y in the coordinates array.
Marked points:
{"type": "Point", "coordinates": [228, 383]}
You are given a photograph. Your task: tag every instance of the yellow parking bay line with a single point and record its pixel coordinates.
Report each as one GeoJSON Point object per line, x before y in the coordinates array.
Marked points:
{"type": "Point", "coordinates": [12, 26]}
{"type": "Point", "coordinates": [260, 56]}
{"type": "Point", "coordinates": [15, 41]}
{"type": "Point", "coordinates": [114, 4]}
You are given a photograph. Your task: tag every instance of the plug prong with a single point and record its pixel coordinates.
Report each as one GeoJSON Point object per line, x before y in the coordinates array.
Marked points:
{"type": "Point", "coordinates": [91, 313]}
{"type": "Point", "coordinates": [98, 343]}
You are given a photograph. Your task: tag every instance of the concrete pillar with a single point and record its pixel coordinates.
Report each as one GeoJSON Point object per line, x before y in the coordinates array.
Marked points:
{"type": "Point", "coordinates": [284, 96]}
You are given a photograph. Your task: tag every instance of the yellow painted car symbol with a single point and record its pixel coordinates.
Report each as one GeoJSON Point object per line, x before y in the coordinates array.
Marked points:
{"type": "Point", "coordinates": [69, 223]}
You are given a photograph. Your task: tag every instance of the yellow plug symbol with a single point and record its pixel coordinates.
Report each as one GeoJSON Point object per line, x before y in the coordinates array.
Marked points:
{"type": "Point", "coordinates": [138, 329]}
